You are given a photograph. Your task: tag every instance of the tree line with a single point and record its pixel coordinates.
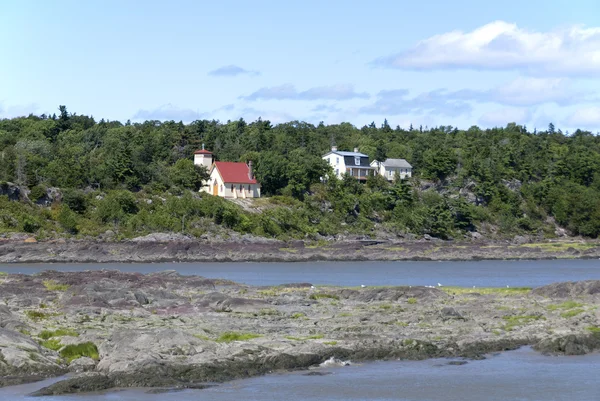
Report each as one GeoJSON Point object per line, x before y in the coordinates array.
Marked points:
{"type": "Point", "coordinates": [135, 178]}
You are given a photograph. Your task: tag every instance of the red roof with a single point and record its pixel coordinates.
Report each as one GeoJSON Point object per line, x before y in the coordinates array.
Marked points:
{"type": "Point", "coordinates": [202, 152]}
{"type": "Point", "coordinates": [234, 173]}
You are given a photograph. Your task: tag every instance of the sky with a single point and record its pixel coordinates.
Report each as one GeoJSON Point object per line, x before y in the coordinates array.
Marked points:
{"type": "Point", "coordinates": [430, 63]}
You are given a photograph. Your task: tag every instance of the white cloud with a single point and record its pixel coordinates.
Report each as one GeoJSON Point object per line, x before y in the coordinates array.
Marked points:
{"type": "Point", "coordinates": [289, 92]}
{"type": "Point", "coordinates": [169, 112]}
{"type": "Point", "coordinates": [232, 71]}
{"type": "Point", "coordinates": [501, 117]}
{"type": "Point", "coordinates": [588, 117]}
{"type": "Point", "coordinates": [504, 46]}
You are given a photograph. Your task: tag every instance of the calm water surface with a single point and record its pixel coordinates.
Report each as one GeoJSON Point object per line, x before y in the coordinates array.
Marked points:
{"type": "Point", "coordinates": [521, 375]}
{"type": "Point", "coordinates": [467, 274]}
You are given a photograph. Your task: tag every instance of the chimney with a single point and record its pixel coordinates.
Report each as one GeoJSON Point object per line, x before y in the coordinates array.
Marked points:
{"type": "Point", "coordinates": [250, 173]}
{"type": "Point", "coordinates": [334, 148]}
{"type": "Point", "coordinates": [355, 150]}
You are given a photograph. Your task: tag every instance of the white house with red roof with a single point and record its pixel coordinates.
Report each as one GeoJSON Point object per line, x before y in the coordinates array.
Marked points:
{"type": "Point", "coordinates": [227, 179]}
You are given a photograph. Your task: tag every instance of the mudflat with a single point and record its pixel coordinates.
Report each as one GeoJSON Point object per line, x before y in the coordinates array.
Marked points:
{"type": "Point", "coordinates": [115, 329]}
{"type": "Point", "coordinates": [255, 249]}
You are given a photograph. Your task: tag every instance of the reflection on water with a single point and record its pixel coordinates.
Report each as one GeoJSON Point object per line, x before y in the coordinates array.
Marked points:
{"type": "Point", "coordinates": [491, 273]}
{"type": "Point", "coordinates": [518, 375]}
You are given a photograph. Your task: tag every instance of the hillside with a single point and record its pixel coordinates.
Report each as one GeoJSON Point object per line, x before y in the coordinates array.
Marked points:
{"type": "Point", "coordinates": [71, 176]}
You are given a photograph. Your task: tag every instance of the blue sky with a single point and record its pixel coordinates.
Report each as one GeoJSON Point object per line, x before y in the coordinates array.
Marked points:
{"type": "Point", "coordinates": [459, 63]}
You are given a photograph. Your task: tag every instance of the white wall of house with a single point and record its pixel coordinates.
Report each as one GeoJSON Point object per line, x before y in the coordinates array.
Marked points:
{"type": "Point", "coordinates": [205, 160]}
{"type": "Point", "coordinates": [229, 190]}
{"type": "Point", "coordinates": [337, 162]}
{"type": "Point", "coordinates": [391, 172]}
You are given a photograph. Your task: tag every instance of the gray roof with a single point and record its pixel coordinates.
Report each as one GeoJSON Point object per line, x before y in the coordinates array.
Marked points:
{"type": "Point", "coordinates": [350, 161]}
{"type": "Point", "coordinates": [396, 163]}
{"type": "Point", "coordinates": [344, 153]}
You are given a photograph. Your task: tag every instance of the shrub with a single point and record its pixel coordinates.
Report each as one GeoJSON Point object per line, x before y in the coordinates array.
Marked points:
{"type": "Point", "coordinates": [37, 192]}
{"type": "Point", "coordinates": [74, 351]}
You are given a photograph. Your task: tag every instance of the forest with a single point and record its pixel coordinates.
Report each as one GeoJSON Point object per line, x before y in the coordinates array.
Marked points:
{"type": "Point", "coordinates": [82, 178]}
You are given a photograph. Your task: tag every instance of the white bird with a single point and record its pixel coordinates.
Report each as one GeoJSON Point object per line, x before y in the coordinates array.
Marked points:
{"type": "Point", "coordinates": [362, 286]}
{"type": "Point", "coordinates": [312, 287]}
{"type": "Point", "coordinates": [439, 285]}
{"type": "Point", "coordinates": [473, 286]}
{"type": "Point", "coordinates": [507, 286]}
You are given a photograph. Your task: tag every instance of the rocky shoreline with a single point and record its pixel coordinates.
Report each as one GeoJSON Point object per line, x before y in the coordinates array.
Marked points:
{"type": "Point", "coordinates": [113, 329]}
{"type": "Point", "coordinates": [264, 250]}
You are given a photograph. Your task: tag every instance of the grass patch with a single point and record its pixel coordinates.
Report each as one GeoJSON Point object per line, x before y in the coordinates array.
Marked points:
{"type": "Point", "coordinates": [53, 344]}
{"type": "Point", "coordinates": [486, 290]}
{"type": "Point", "coordinates": [202, 337]}
{"type": "Point", "coordinates": [46, 334]}
{"type": "Point", "coordinates": [345, 314]}
{"type": "Point", "coordinates": [594, 330]}
{"type": "Point", "coordinates": [520, 320]}
{"type": "Point", "coordinates": [411, 301]}
{"type": "Point", "coordinates": [313, 337]}
{"type": "Point", "coordinates": [37, 315]}
{"type": "Point", "coordinates": [560, 246]}
{"type": "Point", "coordinates": [572, 313]}
{"type": "Point", "coordinates": [298, 315]}
{"type": "Point", "coordinates": [234, 336]}
{"type": "Point", "coordinates": [3, 274]}
{"type": "Point", "coordinates": [401, 324]}
{"type": "Point", "coordinates": [322, 295]}
{"type": "Point", "coordinates": [72, 352]}
{"type": "Point", "coordinates": [53, 285]}
{"type": "Point", "coordinates": [330, 342]}
{"type": "Point", "coordinates": [565, 305]}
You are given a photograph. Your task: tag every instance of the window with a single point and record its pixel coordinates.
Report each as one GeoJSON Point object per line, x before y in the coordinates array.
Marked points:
{"type": "Point", "coordinates": [357, 160]}
{"type": "Point", "coordinates": [337, 171]}
{"type": "Point", "coordinates": [221, 187]}
{"type": "Point", "coordinates": [248, 187]}
{"type": "Point", "coordinates": [337, 160]}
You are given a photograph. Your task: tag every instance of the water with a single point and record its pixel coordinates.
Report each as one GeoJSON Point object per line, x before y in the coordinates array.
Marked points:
{"type": "Point", "coordinates": [523, 273]}
{"type": "Point", "coordinates": [521, 375]}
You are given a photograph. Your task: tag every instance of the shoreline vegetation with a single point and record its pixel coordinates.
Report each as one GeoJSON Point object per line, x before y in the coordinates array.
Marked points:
{"type": "Point", "coordinates": [112, 329]}
{"type": "Point", "coordinates": [169, 248]}
{"type": "Point", "coordinates": [68, 176]}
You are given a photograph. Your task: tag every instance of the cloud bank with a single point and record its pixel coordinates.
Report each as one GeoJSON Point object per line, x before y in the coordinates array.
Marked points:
{"type": "Point", "coordinates": [504, 46]}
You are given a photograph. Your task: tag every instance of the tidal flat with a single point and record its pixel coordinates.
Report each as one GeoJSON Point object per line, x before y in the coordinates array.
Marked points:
{"type": "Point", "coordinates": [111, 329]}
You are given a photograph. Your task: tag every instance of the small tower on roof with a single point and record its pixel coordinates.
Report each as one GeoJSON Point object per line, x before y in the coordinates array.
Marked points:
{"type": "Point", "coordinates": [203, 158]}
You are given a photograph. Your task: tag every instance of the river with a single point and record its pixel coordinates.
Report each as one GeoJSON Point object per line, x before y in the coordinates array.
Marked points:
{"type": "Point", "coordinates": [521, 375]}
{"type": "Point", "coordinates": [492, 273]}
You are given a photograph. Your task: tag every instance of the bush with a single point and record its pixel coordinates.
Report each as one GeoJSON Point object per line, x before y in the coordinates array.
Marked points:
{"type": "Point", "coordinates": [37, 192]}
{"type": "Point", "coordinates": [74, 351]}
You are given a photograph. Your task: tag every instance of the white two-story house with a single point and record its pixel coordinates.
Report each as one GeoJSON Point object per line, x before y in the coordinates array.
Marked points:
{"type": "Point", "coordinates": [391, 168]}
{"type": "Point", "coordinates": [354, 163]}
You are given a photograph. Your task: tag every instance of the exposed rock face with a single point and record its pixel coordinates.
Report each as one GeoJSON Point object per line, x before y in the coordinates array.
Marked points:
{"type": "Point", "coordinates": [23, 360]}
{"type": "Point", "coordinates": [171, 331]}
{"type": "Point", "coordinates": [11, 190]}
{"type": "Point", "coordinates": [252, 249]}
{"type": "Point", "coordinates": [569, 289]}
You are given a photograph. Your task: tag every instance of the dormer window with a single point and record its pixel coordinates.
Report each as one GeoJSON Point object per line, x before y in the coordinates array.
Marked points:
{"type": "Point", "coordinates": [357, 160]}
